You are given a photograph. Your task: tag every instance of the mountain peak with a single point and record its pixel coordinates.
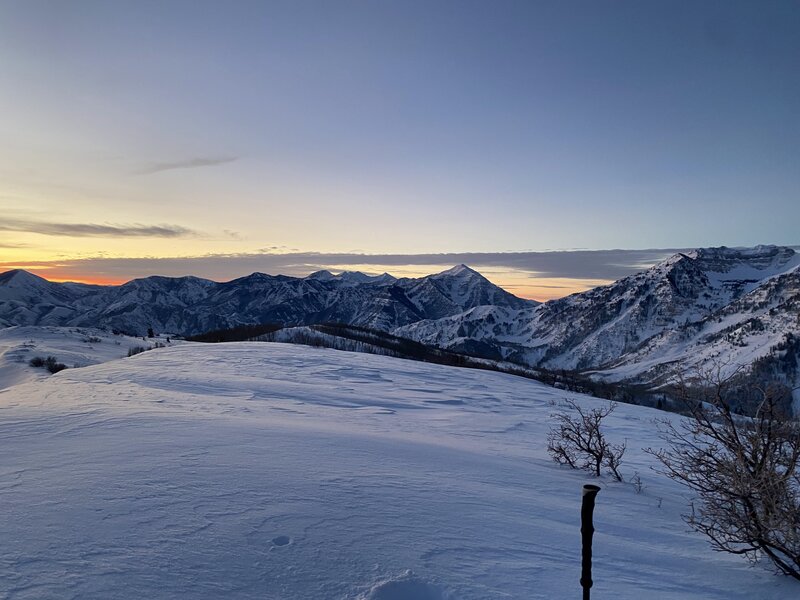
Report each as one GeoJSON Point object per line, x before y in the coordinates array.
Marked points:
{"type": "Point", "coordinates": [20, 277]}
{"type": "Point", "coordinates": [322, 275]}
{"type": "Point", "coordinates": [346, 277]}
{"type": "Point", "coordinates": [461, 269]}
{"type": "Point", "coordinates": [723, 259]}
{"type": "Point", "coordinates": [756, 252]}
{"type": "Point", "coordinates": [753, 263]}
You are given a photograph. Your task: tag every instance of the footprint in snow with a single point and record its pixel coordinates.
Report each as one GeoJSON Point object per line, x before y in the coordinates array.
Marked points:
{"type": "Point", "coordinates": [281, 540]}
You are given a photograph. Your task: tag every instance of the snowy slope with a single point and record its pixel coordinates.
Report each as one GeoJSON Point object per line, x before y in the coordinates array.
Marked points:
{"type": "Point", "coordinates": [690, 309]}
{"type": "Point", "coordinates": [72, 346]}
{"type": "Point", "coordinates": [256, 470]}
{"type": "Point", "coordinates": [747, 329]}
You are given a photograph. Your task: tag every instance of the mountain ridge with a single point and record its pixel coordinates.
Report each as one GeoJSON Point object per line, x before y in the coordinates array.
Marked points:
{"type": "Point", "coordinates": [633, 328]}
{"type": "Point", "coordinates": [190, 305]}
{"type": "Point", "coordinates": [729, 305]}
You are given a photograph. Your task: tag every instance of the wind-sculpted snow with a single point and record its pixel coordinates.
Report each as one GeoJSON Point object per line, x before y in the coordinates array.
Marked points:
{"type": "Point", "coordinates": [269, 471]}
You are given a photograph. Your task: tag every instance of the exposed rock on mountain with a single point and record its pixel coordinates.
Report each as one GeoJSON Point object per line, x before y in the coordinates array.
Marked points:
{"type": "Point", "coordinates": [724, 306]}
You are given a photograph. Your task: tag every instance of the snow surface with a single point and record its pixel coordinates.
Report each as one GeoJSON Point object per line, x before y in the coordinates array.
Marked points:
{"type": "Point", "coordinates": [72, 346]}
{"type": "Point", "coordinates": [270, 471]}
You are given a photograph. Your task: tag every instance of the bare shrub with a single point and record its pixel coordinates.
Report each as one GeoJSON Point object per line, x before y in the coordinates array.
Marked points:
{"type": "Point", "coordinates": [578, 441]}
{"type": "Point", "coordinates": [50, 363]}
{"type": "Point", "coordinates": [745, 472]}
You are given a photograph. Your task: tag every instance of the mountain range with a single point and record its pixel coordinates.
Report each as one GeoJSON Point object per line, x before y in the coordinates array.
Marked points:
{"type": "Point", "coordinates": [720, 307]}
{"type": "Point", "coordinates": [712, 308]}
{"type": "Point", "coordinates": [190, 305]}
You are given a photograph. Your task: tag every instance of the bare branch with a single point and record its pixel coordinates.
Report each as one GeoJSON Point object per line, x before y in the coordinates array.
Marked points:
{"type": "Point", "coordinates": [578, 441]}
{"type": "Point", "coordinates": [745, 472]}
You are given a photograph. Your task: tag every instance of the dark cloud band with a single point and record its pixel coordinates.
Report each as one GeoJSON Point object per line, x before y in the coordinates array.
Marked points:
{"type": "Point", "coordinates": [583, 264]}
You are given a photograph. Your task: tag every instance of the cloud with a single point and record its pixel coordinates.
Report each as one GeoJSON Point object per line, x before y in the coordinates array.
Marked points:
{"type": "Point", "coordinates": [540, 275]}
{"type": "Point", "coordinates": [573, 264]}
{"type": "Point", "coordinates": [598, 265]}
{"type": "Point", "coordinates": [191, 163]}
{"type": "Point", "coordinates": [95, 229]}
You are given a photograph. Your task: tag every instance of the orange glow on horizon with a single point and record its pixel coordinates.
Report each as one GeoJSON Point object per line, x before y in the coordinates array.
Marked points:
{"type": "Point", "coordinates": [88, 279]}
{"type": "Point", "coordinates": [545, 291]}
{"type": "Point", "coordinates": [53, 274]}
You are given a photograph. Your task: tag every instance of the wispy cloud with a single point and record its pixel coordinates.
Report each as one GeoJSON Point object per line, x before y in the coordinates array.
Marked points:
{"type": "Point", "coordinates": [95, 229]}
{"type": "Point", "coordinates": [190, 163]}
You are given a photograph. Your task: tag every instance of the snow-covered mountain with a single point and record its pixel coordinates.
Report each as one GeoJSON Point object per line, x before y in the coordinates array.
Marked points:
{"type": "Point", "coordinates": [190, 305]}
{"type": "Point", "coordinates": [729, 306]}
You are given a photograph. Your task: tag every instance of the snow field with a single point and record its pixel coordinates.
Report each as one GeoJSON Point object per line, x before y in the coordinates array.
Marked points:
{"type": "Point", "coordinates": [73, 346]}
{"type": "Point", "coordinates": [270, 471]}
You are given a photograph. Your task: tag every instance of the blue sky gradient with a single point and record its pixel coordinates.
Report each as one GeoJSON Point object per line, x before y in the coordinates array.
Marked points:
{"type": "Point", "coordinates": [400, 127]}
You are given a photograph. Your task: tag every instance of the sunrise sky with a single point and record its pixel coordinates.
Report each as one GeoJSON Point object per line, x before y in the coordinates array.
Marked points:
{"type": "Point", "coordinates": [220, 138]}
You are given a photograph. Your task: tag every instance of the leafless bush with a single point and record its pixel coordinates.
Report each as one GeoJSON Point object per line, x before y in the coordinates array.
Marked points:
{"type": "Point", "coordinates": [638, 485]}
{"type": "Point", "coordinates": [745, 472]}
{"type": "Point", "coordinates": [50, 363]}
{"type": "Point", "coordinates": [578, 441]}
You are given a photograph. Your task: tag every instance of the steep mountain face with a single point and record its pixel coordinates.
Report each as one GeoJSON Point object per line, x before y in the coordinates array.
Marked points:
{"type": "Point", "coordinates": [730, 306]}
{"type": "Point", "coordinates": [759, 327]}
{"type": "Point", "coordinates": [191, 305]}
{"type": "Point", "coordinates": [597, 327]}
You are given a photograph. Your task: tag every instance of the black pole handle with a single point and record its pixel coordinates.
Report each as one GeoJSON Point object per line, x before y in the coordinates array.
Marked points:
{"type": "Point", "coordinates": [587, 531]}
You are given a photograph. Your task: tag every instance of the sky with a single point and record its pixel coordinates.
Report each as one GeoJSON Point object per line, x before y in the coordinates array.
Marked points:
{"type": "Point", "coordinates": [220, 138]}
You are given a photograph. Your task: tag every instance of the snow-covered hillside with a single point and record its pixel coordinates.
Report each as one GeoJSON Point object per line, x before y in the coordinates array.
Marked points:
{"type": "Point", "coordinates": [269, 471]}
{"type": "Point", "coordinates": [71, 346]}
{"type": "Point", "coordinates": [729, 306]}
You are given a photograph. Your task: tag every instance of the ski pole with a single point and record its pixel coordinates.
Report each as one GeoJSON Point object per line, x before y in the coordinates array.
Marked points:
{"type": "Point", "coordinates": [587, 530]}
